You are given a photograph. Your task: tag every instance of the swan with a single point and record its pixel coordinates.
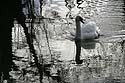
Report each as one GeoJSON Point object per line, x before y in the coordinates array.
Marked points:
{"type": "Point", "coordinates": [85, 30]}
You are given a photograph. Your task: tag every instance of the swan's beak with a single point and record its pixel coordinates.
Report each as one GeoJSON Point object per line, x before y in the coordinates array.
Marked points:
{"type": "Point", "coordinates": [82, 20]}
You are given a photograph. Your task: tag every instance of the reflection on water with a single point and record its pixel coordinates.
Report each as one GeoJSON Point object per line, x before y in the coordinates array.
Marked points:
{"type": "Point", "coordinates": [89, 44]}
{"type": "Point", "coordinates": [103, 62]}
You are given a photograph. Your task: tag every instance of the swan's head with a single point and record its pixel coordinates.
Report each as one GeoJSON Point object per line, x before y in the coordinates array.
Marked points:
{"type": "Point", "coordinates": [80, 19]}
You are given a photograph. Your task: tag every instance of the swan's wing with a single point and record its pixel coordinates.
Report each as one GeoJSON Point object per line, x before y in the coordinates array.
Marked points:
{"type": "Point", "coordinates": [89, 27]}
{"type": "Point", "coordinates": [89, 30]}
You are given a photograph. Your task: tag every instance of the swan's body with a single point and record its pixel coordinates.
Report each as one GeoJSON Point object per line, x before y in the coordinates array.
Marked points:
{"type": "Point", "coordinates": [87, 30]}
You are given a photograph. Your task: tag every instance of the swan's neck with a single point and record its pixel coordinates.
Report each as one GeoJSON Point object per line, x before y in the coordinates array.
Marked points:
{"type": "Point", "coordinates": [78, 29]}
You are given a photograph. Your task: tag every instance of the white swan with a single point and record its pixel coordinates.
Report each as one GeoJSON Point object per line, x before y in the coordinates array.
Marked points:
{"type": "Point", "coordinates": [86, 30]}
